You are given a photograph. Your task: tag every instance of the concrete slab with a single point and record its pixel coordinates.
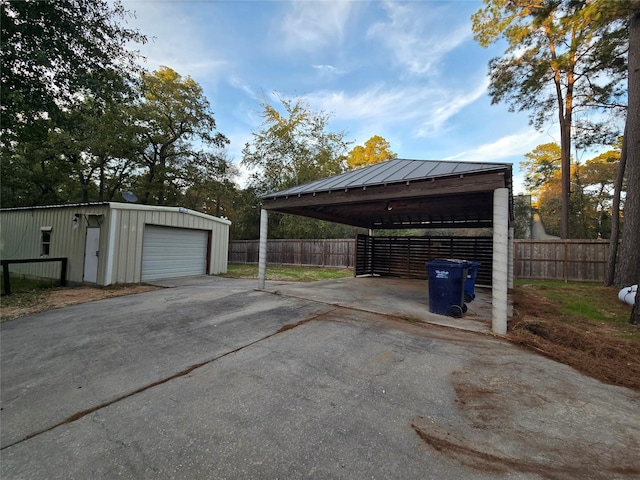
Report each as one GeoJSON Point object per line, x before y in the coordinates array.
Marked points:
{"type": "Point", "coordinates": [221, 381]}
{"type": "Point", "coordinates": [401, 297]}
{"type": "Point", "coordinates": [66, 361]}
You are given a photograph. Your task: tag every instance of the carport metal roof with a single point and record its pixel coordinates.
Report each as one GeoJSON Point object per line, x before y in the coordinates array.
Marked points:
{"type": "Point", "coordinates": [400, 193]}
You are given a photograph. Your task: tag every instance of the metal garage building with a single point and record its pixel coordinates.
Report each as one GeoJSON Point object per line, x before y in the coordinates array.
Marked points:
{"type": "Point", "coordinates": [402, 194]}
{"type": "Point", "coordinates": [108, 243]}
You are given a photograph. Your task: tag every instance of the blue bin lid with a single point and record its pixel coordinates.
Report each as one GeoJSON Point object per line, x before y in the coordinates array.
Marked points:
{"type": "Point", "coordinates": [449, 261]}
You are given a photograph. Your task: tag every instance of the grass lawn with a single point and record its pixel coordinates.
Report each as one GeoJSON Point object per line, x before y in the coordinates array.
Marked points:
{"type": "Point", "coordinates": [287, 273]}
{"type": "Point", "coordinates": [28, 285]}
{"type": "Point", "coordinates": [592, 303]}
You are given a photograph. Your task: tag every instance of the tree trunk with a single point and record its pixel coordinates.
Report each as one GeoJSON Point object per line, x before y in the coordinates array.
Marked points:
{"type": "Point", "coordinates": [628, 265]}
{"type": "Point", "coordinates": [615, 215]}
{"type": "Point", "coordinates": [635, 311]}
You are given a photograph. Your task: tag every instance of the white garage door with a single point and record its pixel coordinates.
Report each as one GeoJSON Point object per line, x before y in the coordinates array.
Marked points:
{"type": "Point", "coordinates": [173, 252]}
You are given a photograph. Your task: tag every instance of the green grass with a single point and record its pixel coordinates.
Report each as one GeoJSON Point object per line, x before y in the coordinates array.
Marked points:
{"type": "Point", "coordinates": [21, 284]}
{"type": "Point", "coordinates": [285, 273]}
{"type": "Point", "coordinates": [588, 301]}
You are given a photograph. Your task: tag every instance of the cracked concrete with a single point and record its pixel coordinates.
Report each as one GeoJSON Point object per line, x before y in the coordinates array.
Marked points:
{"type": "Point", "coordinates": [215, 380]}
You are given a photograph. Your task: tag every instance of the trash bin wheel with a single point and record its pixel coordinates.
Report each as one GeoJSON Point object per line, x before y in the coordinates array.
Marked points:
{"type": "Point", "coordinates": [464, 308]}
{"type": "Point", "coordinates": [455, 311]}
{"type": "Point", "coordinates": [468, 297]}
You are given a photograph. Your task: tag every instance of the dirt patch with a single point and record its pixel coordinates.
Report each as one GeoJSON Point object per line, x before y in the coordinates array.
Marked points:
{"type": "Point", "coordinates": [594, 349]}
{"type": "Point", "coordinates": [21, 304]}
{"type": "Point", "coordinates": [485, 456]}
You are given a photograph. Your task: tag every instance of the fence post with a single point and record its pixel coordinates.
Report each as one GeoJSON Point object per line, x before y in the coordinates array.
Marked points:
{"type": "Point", "coordinates": [63, 272]}
{"type": "Point", "coordinates": [5, 277]}
{"type": "Point", "coordinates": [565, 262]}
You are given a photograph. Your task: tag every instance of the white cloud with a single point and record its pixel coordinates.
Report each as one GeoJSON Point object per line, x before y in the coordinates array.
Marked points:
{"type": "Point", "coordinates": [238, 83]}
{"type": "Point", "coordinates": [423, 110]}
{"type": "Point", "coordinates": [419, 39]}
{"type": "Point", "coordinates": [329, 71]}
{"type": "Point", "coordinates": [184, 46]}
{"type": "Point", "coordinates": [448, 107]}
{"type": "Point", "coordinates": [515, 145]}
{"type": "Point", "coordinates": [312, 25]}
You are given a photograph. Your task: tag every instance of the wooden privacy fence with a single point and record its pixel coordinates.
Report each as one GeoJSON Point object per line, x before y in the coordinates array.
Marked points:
{"type": "Point", "coordinates": [568, 260]}
{"type": "Point", "coordinates": [324, 253]}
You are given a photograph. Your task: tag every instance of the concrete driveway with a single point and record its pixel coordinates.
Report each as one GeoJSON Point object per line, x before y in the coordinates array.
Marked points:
{"type": "Point", "coordinates": [212, 379]}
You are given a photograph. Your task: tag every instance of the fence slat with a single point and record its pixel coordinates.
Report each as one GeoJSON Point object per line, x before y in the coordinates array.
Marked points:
{"type": "Point", "coordinates": [568, 260]}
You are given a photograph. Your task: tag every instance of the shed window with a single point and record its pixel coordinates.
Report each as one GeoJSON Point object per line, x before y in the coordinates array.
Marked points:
{"type": "Point", "coordinates": [45, 233]}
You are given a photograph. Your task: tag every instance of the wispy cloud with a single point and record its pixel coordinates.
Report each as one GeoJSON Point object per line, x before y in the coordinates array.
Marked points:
{"type": "Point", "coordinates": [308, 26]}
{"type": "Point", "coordinates": [184, 47]}
{"type": "Point", "coordinates": [449, 106]}
{"type": "Point", "coordinates": [418, 35]}
{"type": "Point", "coordinates": [329, 71]}
{"type": "Point", "coordinates": [515, 145]}
{"type": "Point", "coordinates": [236, 82]}
{"type": "Point", "coordinates": [424, 111]}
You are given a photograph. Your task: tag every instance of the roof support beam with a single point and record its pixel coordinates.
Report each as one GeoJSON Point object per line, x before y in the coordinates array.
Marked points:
{"type": "Point", "coordinates": [499, 299]}
{"type": "Point", "coordinates": [262, 254]}
{"type": "Point", "coordinates": [417, 189]}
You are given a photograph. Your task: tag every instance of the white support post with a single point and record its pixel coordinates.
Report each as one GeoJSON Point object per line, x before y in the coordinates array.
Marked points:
{"type": "Point", "coordinates": [262, 255]}
{"type": "Point", "coordinates": [500, 278]}
{"type": "Point", "coordinates": [511, 252]}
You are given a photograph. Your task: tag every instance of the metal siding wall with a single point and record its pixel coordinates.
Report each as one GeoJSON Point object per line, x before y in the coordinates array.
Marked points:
{"type": "Point", "coordinates": [130, 234]}
{"type": "Point", "coordinates": [21, 238]}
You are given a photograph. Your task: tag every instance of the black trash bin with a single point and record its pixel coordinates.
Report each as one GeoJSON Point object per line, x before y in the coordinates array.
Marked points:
{"type": "Point", "coordinates": [446, 286]}
{"type": "Point", "coordinates": [470, 282]}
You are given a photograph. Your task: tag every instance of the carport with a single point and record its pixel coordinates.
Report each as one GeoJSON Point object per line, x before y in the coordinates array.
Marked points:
{"type": "Point", "coordinates": [402, 194]}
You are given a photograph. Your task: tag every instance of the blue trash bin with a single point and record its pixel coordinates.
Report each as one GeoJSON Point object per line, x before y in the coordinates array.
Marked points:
{"type": "Point", "coordinates": [446, 286]}
{"type": "Point", "coordinates": [470, 282]}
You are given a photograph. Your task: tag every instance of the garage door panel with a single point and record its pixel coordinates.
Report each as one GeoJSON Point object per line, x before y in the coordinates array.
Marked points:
{"type": "Point", "coordinates": [173, 252]}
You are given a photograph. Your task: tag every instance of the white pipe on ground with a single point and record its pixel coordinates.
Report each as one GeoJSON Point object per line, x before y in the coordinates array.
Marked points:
{"type": "Point", "coordinates": [628, 294]}
{"type": "Point", "coordinates": [262, 255]}
{"type": "Point", "coordinates": [500, 277]}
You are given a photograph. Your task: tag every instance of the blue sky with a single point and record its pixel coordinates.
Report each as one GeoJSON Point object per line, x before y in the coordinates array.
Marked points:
{"type": "Point", "coordinates": [408, 71]}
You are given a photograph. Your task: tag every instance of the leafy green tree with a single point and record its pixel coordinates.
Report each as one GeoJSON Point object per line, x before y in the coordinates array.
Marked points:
{"type": "Point", "coordinates": [562, 57]}
{"type": "Point", "coordinates": [541, 165]}
{"type": "Point", "coordinates": [55, 52]}
{"type": "Point", "coordinates": [591, 187]}
{"type": "Point", "coordinates": [293, 147]}
{"type": "Point", "coordinates": [175, 123]}
{"type": "Point", "coordinates": [522, 216]}
{"type": "Point", "coordinates": [98, 144]}
{"type": "Point", "coordinates": [213, 191]}
{"type": "Point", "coordinates": [32, 171]}
{"type": "Point", "coordinates": [375, 150]}
{"type": "Point", "coordinates": [245, 221]}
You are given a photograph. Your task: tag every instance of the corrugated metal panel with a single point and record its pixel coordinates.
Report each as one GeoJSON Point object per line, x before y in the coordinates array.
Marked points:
{"type": "Point", "coordinates": [391, 171]}
{"type": "Point", "coordinates": [121, 237]}
{"type": "Point", "coordinates": [132, 222]}
{"type": "Point", "coordinates": [173, 252]}
{"type": "Point", "coordinates": [21, 238]}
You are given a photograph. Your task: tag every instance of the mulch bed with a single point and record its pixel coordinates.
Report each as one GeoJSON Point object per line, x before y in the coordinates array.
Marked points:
{"type": "Point", "coordinates": [593, 349]}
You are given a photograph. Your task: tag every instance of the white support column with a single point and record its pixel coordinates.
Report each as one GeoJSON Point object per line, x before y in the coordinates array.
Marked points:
{"type": "Point", "coordinates": [510, 278]}
{"type": "Point", "coordinates": [262, 255]}
{"type": "Point", "coordinates": [500, 278]}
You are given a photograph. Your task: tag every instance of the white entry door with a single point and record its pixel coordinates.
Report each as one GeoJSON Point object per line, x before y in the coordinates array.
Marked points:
{"type": "Point", "coordinates": [91, 249]}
